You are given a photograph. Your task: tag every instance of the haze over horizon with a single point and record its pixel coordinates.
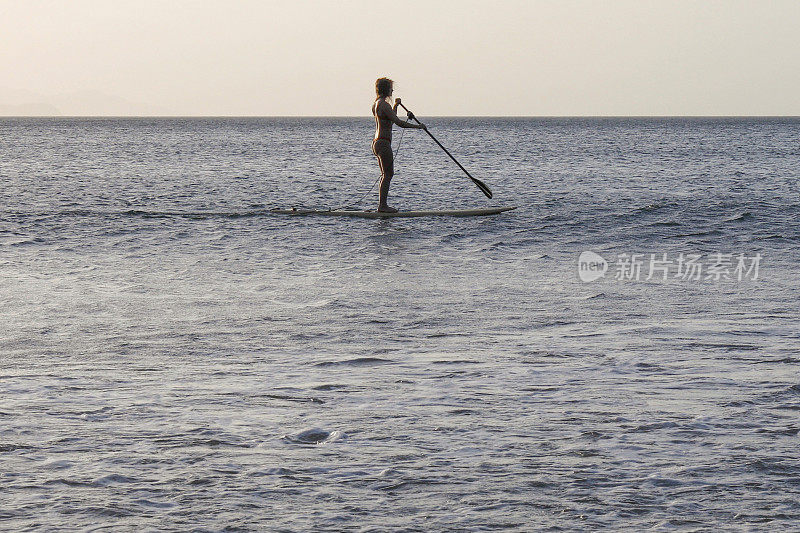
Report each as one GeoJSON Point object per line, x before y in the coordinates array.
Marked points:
{"type": "Point", "coordinates": [459, 58]}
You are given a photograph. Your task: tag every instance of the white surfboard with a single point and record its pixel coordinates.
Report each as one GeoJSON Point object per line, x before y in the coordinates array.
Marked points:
{"type": "Point", "coordinates": [399, 214]}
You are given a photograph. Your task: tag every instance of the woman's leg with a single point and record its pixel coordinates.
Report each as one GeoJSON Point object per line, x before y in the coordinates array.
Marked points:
{"type": "Point", "coordinates": [383, 151]}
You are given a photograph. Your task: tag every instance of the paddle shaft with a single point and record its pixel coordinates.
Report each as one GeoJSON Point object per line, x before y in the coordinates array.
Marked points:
{"type": "Point", "coordinates": [482, 186]}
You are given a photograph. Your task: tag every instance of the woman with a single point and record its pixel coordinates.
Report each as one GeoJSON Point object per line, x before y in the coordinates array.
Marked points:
{"type": "Point", "coordinates": [385, 114]}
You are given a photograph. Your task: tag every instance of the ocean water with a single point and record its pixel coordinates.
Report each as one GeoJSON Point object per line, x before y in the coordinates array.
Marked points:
{"type": "Point", "coordinates": [174, 357]}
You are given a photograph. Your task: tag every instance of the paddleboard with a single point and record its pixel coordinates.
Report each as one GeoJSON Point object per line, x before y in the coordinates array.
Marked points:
{"type": "Point", "coordinates": [399, 214]}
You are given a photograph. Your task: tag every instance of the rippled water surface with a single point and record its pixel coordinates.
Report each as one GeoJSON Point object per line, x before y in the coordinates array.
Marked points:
{"type": "Point", "coordinates": [175, 357]}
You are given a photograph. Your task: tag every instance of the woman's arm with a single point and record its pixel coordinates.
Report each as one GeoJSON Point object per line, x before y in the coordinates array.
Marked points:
{"type": "Point", "coordinates": [391, 114]}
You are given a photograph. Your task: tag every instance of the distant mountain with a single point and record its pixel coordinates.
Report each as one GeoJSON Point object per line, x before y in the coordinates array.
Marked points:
{"type": "Point", "coordinates": [96, 103]}
{"type": "Point", "coordinates": [30, 109]}
{"type": "Point", "coordinates": [79, 103]}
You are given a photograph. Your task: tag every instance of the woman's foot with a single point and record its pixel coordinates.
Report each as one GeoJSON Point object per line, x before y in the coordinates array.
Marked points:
{"type": "Point", "coordinates": [386, 209]}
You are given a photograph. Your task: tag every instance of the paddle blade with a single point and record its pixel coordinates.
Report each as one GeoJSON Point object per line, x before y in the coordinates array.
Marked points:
{"type": "Point", "coordinates": [482, 186]}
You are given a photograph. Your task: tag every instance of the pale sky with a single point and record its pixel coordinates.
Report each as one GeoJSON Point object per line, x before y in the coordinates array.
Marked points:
{"type": "Point", "coordinates": [453, 57]}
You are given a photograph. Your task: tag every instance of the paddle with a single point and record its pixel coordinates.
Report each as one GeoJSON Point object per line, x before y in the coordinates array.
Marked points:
{"type": "Point", "coordinates": [481, 185]}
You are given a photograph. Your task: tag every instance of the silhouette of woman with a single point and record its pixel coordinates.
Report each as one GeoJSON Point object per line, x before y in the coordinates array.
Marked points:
{"type": "Point", "coordinates": [385, 114]}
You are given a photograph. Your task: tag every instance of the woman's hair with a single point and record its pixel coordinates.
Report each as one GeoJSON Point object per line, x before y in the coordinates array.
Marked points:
{"type": "Point", "coordinates": [383, 86]}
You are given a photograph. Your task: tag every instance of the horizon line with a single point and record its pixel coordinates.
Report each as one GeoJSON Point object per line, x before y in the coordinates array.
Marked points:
{"type": "Point", "coordinates": [370, 117]}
